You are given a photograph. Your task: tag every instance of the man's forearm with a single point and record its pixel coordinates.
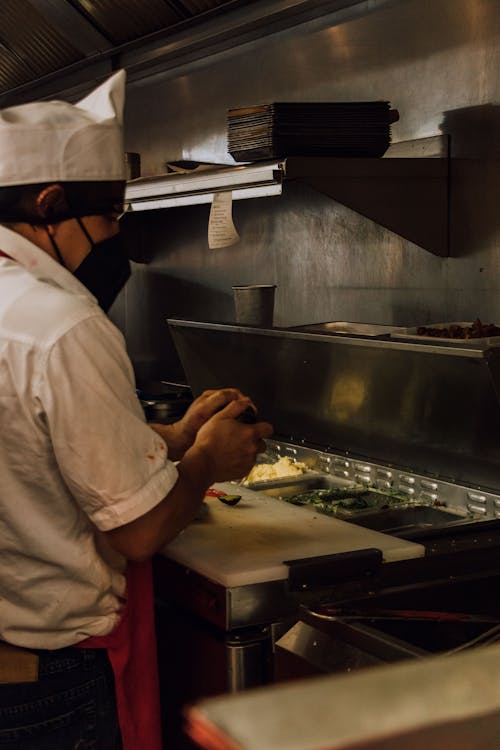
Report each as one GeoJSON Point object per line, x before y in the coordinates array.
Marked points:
{"type": "Point", "coordinates": [141, 538]}
{"type": "Point", "coordinates": [175, 437]}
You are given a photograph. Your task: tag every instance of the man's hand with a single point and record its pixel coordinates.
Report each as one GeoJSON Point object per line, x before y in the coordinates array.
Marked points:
{"type": "Point", "coordinates": [205, 406]}
{"type": "Point", "coordinates": [231, 447]}
{"type": "Point", "coordinates": [181, 435]}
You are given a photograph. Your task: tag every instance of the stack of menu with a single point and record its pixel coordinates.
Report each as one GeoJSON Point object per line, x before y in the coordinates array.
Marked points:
{"type": "Point", "coordinates": [340, 129]}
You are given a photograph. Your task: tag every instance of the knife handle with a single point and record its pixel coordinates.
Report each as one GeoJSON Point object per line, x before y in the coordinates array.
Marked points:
{"type": "Point", "coordinates": [248, 416]}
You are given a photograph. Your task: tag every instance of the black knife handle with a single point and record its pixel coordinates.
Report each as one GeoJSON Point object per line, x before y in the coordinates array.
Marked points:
{"type": "Point", "coordinates": [248, 416]}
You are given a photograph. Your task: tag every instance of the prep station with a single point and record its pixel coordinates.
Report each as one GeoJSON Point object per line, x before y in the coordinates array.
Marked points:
{"type": "Point", "coordinates": [404, 431]}
{"type": "Point", "coordinates": [266, 590]}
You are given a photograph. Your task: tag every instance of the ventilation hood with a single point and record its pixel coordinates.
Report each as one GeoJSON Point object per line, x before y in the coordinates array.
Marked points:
{"type": "Point", "coordinates": [63, 47]}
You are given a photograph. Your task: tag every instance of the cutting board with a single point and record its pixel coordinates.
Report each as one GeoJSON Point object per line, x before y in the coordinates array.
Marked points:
{"type": "Point", "coordinates": [247, 543]}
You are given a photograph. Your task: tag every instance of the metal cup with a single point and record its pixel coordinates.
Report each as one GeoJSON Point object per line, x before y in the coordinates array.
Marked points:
{"type": "Point", "coordinates": [254, 304]}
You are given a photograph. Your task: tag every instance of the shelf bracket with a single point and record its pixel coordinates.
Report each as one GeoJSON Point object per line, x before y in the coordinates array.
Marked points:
{"type": "Point", "coordinates": [406, 191]}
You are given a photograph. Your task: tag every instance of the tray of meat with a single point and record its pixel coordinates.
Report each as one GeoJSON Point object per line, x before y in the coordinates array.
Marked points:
{"type": "Point", "coordinates": [469, 332]}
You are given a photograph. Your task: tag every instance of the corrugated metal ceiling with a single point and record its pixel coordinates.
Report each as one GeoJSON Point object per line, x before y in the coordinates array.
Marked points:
{"type": "Point", "coordinates": [39, 37]}
{"type": "Point", "coordinates": [53, 48]}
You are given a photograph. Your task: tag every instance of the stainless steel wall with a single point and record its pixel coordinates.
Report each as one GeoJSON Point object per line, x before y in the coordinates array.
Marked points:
{"type": "Point", "coordinates": [438, 62]}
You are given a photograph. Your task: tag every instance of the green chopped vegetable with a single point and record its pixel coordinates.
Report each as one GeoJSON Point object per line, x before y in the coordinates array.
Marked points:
{"type": "Point", "coordinates": [335, 494]}
{"type": "Point", "coordinates": [342, 502]}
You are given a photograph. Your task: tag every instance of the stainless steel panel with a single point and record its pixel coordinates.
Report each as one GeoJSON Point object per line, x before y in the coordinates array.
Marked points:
{"type": "Point", "coordinates": [259, 603]}
{"type": "Point", "coordinates": [329, 652]}
{"type": "Point", "coordinates": [227, 609]}
{"type": "Point", "coordinates": [247, 24]}
{"type": "Point", "coordinates": [432, 409]}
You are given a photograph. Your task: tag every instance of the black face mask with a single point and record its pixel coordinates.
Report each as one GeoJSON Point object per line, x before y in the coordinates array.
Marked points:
{"type": "Point", "coordinates": [105, 270]}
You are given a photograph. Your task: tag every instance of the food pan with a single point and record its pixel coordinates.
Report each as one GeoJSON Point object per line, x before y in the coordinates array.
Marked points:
{"type": "Point", "coordinates": [347, 502]}
{"type": "Point", "coordinates": [387, 512]}
{"type": "Point", "coordinates": [286, 487]}
{"type": "Point", "coordinates": [358, 329]}
{"type": "Point", "coordinates": [413, 517]}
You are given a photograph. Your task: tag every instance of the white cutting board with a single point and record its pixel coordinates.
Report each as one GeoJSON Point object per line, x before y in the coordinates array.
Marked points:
{"type": "Point", "coordinates": [247, 543]}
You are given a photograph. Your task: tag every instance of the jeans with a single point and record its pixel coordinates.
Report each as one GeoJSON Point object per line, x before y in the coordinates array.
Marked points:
{"type": "Point", "coordinates": [71, 706]}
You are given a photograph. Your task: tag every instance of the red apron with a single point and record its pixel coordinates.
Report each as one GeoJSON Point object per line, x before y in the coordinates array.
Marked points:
{"type": "Point", "coordinates": [131, 649]}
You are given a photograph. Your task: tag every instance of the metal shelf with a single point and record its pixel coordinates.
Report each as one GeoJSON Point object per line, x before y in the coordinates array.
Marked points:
{"type": "Point", "coordinates": [406, 191]}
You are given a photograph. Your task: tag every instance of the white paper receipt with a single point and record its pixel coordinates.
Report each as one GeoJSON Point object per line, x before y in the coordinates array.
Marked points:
{"type": "Point", "coordinates": [221, 230]}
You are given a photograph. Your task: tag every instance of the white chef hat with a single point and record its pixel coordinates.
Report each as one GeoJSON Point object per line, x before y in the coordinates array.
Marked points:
{"type": "Point", "coordinates": [54, 141]}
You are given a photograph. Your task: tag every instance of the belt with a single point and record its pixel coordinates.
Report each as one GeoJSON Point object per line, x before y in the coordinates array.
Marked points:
{"type": "Point", "coordinates": [17, 664]}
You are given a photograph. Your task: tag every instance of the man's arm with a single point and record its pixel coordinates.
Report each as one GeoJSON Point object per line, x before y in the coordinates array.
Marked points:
{"type": "Point", "coordinates": [224, 449]}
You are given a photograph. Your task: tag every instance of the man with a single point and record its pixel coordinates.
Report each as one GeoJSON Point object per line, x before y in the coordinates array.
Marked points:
{"type": "Point", "coordinates": [86, 485]}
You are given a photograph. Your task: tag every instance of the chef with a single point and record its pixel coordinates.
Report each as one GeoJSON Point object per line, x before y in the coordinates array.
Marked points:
{"type": "Point", "coordinates": [88, 490]}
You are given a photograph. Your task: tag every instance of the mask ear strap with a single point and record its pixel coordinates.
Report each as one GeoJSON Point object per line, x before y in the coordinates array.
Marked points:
{"type": "Point", "coordinates": [56, 249]}
{"type": "Point", "coordinates": [84, 230]}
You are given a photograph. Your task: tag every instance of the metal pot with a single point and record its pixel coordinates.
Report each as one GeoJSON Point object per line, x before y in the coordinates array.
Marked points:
{"type": "Point", "coordinates": [163, 401]}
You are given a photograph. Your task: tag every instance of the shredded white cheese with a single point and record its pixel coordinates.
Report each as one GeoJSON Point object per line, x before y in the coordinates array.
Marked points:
{"type": "Point", "coordinates": [284, 467]}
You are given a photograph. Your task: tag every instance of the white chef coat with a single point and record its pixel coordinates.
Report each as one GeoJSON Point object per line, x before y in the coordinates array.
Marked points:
{"type": "Point", "coordinates": [76, 455]}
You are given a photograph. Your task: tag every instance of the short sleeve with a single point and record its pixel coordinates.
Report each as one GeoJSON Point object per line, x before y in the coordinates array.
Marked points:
{"type": "Point", "coordinates": [115, 466]}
